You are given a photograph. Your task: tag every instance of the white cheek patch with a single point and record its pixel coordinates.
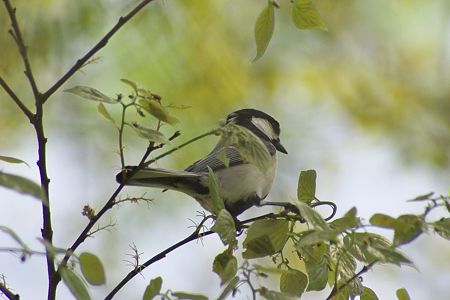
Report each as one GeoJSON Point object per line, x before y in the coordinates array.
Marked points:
{"type": "Point", "coordinates": [265, 127]}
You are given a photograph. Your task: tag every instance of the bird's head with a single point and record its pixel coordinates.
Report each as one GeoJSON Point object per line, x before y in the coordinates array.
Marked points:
{"type": "Point", "coordinates": [260, 124]}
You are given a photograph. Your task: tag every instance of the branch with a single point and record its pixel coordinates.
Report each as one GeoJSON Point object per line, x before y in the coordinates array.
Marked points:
{"type": "Point", "coordinates": [102, 43]}
{"type": "Point", "coordinates": [17, 35]}
{"type": "Point", "coordinates": [363, 270]}
{"type": "Point", "coordinates": [16, 99]}
{"type": "Point", "coordinates": [192, 237]}
{"type": "Point", "coordinates": [214, 131]}
{"type": "Point", "coordinates": [8, 293]}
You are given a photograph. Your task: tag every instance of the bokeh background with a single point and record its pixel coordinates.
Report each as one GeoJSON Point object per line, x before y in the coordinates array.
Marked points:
{"type": "Point", "coordinates": [366, 104]}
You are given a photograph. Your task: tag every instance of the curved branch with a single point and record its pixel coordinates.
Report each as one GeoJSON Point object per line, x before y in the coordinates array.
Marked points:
{"type": "Point", "coordinates": [102, 43]}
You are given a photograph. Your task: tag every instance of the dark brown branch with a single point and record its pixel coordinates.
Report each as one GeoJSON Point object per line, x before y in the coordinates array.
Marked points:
{"type": "Point", "coordinates": [102, 43]}
{"type": "Point", "coordinates": [8, 293]}
{"type": "Point", "coordinates": [17, 35]}
{"type": "Point", "coordinates": [16, 99]}
{"type": "Point", "coordinates": [192, 237]}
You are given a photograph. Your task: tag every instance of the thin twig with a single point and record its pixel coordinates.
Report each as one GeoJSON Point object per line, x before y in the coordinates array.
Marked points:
{"type": "Point", "coordinates": [192, 237]}
{"type": "Point", "coordinates": [7, 292]}
{"type": "Point", "coordinates": [214, 131]}
{"type": "Point", "coordinates": [16, 99]}
{"type": "Point", "coordinates": [102, 43]}
{"type": "Point", "coordinates": [17, 35]}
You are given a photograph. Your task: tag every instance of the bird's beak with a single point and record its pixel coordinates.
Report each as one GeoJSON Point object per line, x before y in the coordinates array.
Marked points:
{"type": "Point", "coordinates": [279, 147]}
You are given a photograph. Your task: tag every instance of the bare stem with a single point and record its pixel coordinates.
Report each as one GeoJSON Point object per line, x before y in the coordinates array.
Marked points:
{"type": "Point", "coordinates": [8, 293]}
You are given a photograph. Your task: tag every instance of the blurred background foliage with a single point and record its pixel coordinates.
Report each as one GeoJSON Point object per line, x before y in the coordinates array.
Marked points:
{"type": "Point", "coordinates": [382, 70]}
{"type": "Point", "coordinates": [385, 64]}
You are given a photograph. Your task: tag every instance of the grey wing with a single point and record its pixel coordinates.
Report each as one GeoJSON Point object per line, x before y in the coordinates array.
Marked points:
{"type": "Point", "coordinates": [213, 161]}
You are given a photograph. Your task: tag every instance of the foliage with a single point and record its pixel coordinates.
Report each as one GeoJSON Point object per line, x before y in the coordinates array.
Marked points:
{"type": "Point", "coordinates": [333, 254]}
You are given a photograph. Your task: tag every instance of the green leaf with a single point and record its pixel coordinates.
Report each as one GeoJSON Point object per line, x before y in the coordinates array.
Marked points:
{"type": "Point", "coordinates": [265, 237]}
{"type": "Point", "coordinates": [189, 296]}
{"type": "Point", "coordinates": [317, 275]}
{"type": "Point", "coordinates": [402, 294]}
{"type": "Point", "coordinates": [312, 217]}
{"type": "Point", "coordinates": [293, 282]}
{"type": "Point", "coordinates": [442, 227]}
{"type": "Point", "coordinates": [102, 110]}
{"type": "Point", "coordinates": [249, 146]}
{"type": "Point", "coordinates": [153, 288]}
{"type": "Point", "coordinates": [13, 160]}
{"type": "Point", "coordinates": [422, 197]}
{"type": "Point", "coordinates": [89, 93]}
{"type": "Point", "coordinates": [217, 201]}
{"type": "Point", "coordinates": [383, 220]}
{"type": "Point", "coordinates": [368, 247]}
{"type": "Point", "coordinates": [150, 134]}
{"type": "Point", "coordinates": [368, 294]}
{"type": "Point", "coordinates": [15, 237]}
{"type": "Point", "coordinates": [130, 83]}
{"type": "Point", "coordinates": [408, 228]}
{"type": "Point", "coordinates": [225, 265]}
{"type": "Point", "coordinates": [92, 268]}
{"type": "Point", "coordinates": [306, 190]}
{"type": "Point", "coordinates": [316, 264]}
{"type": "Point", "coordinates": [74, 283]}
{"type": "Point", "coordinates": [306, 16]}
{"type": "Point", "coordinates": [22, 185]}
{"type": "Point", "coordinates": [158, 111]}
{"type": "Point", "coordinates": [272, 295]}
{"type": "Point", "coordinates": [348, 221]}
{"type": "Point", "coordinates": [229, 288]}
{"type": "Point", "coordinates": [264, 27]}
{"type": "Point", "coordinates": [312, 237]}
{"type": "Point", "coordinates": [225, 227]}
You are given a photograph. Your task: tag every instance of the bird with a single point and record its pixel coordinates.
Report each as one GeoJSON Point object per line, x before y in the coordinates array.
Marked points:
{"type": "Point", "coordinates": [241, 184]}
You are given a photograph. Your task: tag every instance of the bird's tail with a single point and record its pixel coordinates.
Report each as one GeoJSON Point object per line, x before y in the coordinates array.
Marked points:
{"type": "Point", "coordinates": [158, 178]}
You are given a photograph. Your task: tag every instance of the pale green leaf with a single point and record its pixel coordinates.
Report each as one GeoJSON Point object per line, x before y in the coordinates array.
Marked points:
{"type": "Point", "coordinates": [229, 288]}
{"type": "Point", "coordinates": [316, 236]}
{"type": "Point", "coordinates": [225, 227]}
{"type": "Point", "coordinates": [153, 289]}
{"type": "Point", "coordinates": [225, 265]}
{"type": "Point", "coordinates": [74, 283]}
{"type": "Point", "coordinates": [150, 134]}
{"type": "Point", "coordinates": [217, 201]}
{"type": "Point", "coordinates": [13, 160]}
{"type": "Point", "coordinates": [265, 237]}
{"type": "Point", "coordinates": [306, 16]}
{"type": "Point", "coordinates": [189, 296]}
{"type": "Point", "coordinates": [306, 190]}
{"type": "Point", "coordinates": [402, 294]}
{"type": "Point", "coordinates": [15, 237]}
{"type": "Point", "coordinates": [407, 228]}
{"type": "Point", "coordinates": [102, 110]}
{"type": "Point", "coordinates": [89, 93]}
{"type": "Point", "coordinates": [293, 282]}
{"type": "Point", "coordinates": [130, 83]}
{"type": "Point", "coordinates": [368, 294]}
{"type": "Point", "coordinates": [264, 27]}
{"type": "Point", "coordinates": [442, 227]}
{"type": "Point", "coordinates": [312, 217]}
{"type": "Point", "coordinates": [349, 220]}
{"type": "Point", "coordinates": [22, 185]}
{"type": "Point", "coordinates": [158, 111]}
{"type": "Point", "coordinates": [273, 295]}
{"type": "Point", "coordinates": [317, 275]}
{"type": "Point", "coordinates": [92, 268]}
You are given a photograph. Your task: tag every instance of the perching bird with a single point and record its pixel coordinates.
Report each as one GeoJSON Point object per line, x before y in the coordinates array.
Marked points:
{"type": "Point", "coordinates": [241, 184]}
